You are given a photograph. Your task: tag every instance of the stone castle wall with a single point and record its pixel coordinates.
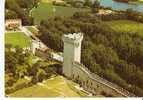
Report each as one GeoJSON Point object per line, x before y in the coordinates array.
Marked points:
{"type": "Point", "coordinates": [72, 68]}
{"type": "Point", "coordinates": [95, 84]}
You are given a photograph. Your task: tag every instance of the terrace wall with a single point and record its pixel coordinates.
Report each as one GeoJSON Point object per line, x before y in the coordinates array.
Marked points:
{"type": "Point", "coordinates": [95, 84]}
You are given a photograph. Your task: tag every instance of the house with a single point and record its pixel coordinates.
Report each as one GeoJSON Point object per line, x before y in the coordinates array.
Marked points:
{"type": "Point", "coordinates": [13, 24]}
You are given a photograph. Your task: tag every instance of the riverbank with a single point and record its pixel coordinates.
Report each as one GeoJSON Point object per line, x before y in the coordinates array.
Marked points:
{"type": "Point", "coordinates": [138, 6]}
{"type": "Point", "coordinates": [129, 1]}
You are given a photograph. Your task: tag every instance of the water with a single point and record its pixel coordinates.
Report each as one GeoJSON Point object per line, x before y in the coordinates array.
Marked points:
{"type": "Point", "coordinates": [121, 6]}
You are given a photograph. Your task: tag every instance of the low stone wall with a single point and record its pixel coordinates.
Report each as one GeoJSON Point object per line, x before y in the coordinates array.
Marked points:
{"type": "Point", "coordinates": [95, 84]}
{"type": "Point", "coordinates": [42, 54]}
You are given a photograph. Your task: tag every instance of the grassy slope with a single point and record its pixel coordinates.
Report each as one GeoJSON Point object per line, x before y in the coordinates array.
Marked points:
{"type": "Point", "coordinates": [17, 39]}
{"type": "Point", "coordinates": [126, 26]}
{"type": "Point", "coordinates": [56, 87]}
{"type": "Point", "coordinates": [45, 10]}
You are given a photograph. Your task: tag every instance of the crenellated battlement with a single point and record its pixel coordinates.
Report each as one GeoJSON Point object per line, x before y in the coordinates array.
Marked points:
{"type": "Point", "coordinates": [73, 38]}
{"type": "Point", "coordinates": [84, 74]}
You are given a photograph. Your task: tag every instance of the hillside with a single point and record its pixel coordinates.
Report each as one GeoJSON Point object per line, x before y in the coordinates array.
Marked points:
{"type": "Point", "coordinates": [113, 54]}
{"type": "Point", "coordinates": [55, 87]}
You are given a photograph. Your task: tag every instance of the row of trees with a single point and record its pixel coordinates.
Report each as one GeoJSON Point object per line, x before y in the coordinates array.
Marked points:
{"type": "Point", "coordinates": [84, 4]}
{"type": "Point", "coordinates": [134, 15]}
{"type": "Point", "coordinates": [20, 9]}
{"type": "Point", "coordinates": [129, 14]}
{"type": "Point", "coordinates": [115, 56]}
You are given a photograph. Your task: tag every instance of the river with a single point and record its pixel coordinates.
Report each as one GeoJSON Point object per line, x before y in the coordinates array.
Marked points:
{"type": "Point", "coordinates": [121, 6]}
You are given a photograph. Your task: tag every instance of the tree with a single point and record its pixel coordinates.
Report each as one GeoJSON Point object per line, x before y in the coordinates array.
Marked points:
{"type": "Point", "coordinates": [19, 9]}
{"type": "Point", "coordinates": [34, 80]}
{"type": "Point", "coordinates": [33, 70]}
{"type": "Point", "coordinates": [88, 3]}
{"type": "Point", "coordinates": [10, 62]}
{"type": "Point", "coordinates": [9, 14]}
{"type": "Point", "coordinates": [95, 7]}
{"type": "Point", "coordinates": [41, 75]}
{"type": "Point", "coordinates": [21, 70]}
{"type": "Point", "coordinates": [10, 82]}
{"type": "Point", "coordinates": [129, 13]}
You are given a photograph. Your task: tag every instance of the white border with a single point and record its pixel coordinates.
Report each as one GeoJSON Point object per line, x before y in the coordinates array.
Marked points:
{"type": "Point", "coordinates": [2, 49]}
{"type": "Point", "coordinates": [74, 99]}
{"type": "Point", "coordinates": [2, 97]}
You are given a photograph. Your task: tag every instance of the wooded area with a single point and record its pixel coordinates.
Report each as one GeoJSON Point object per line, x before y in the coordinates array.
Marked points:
{"type": "Point", "coordinates": [115, 56]}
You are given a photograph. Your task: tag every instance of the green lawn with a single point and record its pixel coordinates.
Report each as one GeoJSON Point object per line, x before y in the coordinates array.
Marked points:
{"type": "Point", "coordinates": [126, 26]}
{"type": "Point", "coordinates": [56, 87]}
{"type": "Point", "coordinates": [17, 39]}
{"type": "Point", "coordinates": [45, 10]}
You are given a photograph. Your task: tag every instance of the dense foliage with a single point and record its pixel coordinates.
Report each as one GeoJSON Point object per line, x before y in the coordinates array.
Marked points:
{"type": "Point", "coordinates": [129, 14]}
{"type": "Point", "coordinates": [20, 63]}
{"type": "Point", "coordinates": [115, 56]}
{"type": "Point", "coordinates": [20, 9]}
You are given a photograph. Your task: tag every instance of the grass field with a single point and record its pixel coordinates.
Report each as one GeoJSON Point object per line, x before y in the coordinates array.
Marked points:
{"type": "Point", "coordinates": [17, 39]}
{"type": "Point", "coordinates": [45, 10]}
{"type": "Point", "coordinates": [54, 87]}
{"type": "Point", "coordinates": [126, 26]}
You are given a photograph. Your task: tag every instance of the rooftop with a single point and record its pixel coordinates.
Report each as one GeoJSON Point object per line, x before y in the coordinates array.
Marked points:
{"type": "Point", "coordinates": [12, 20]}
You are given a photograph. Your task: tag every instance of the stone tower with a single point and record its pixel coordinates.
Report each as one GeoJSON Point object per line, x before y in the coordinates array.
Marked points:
{"type": "Point", "coordinates": [72, 52]}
